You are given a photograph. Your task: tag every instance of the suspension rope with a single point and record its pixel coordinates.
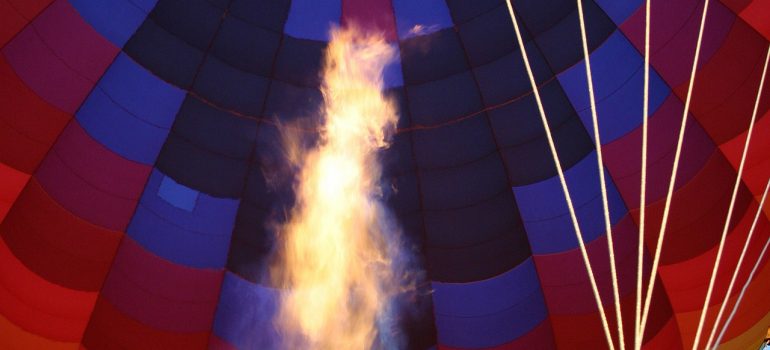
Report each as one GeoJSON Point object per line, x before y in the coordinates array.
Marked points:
{"type": "Point", "coordinates": [602, 181]}
{"type": "Point", "coordinates": [642, 193]}
{"type": "Point", "coordinates": [562, 180]}
{"type": "Point", "coordinates": [729, 212]}
{"type": "Point", "coordinates": [753, 270]}
{"type": "Point", "coordinates": [672, 180]}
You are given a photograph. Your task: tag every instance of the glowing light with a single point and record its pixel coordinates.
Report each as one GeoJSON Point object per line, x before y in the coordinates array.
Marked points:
{"type": "Point", "coordinates": [336, 262]}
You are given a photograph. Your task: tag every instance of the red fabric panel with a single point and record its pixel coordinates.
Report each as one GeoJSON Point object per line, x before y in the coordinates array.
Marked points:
{"type": "Point", "coordinates": [698, 212]}
{"type": "Point", "coordinates": [727, 84]}
{"type": "Point", "coordinates": [55, 244]}
{"type": "Point", "coordinates": [12, 182]}
{"type": "Point", "coordinates": [755, 14]}
{"type": "Point", "coordinates": [28, 125]}
{"type": "Point", "coordinates": [539, 338]}
{"type": "Point", "coordinates": [755, 303]}
{"type": "Point", "coordinates": [15, 14]}
{"type": "Point", "coordinates": [756, 171]}
{"type": "Point", "coordinates": [217, 343]}
{"type": "Point", "coordinates": [162, 294]}
{"type": "Point", "coordinates": [29, 8]}
{"type": "Point", "coordinates": [39, 306]}
{"type": "Point", "coordinates": [111, 329]}
{"type": "Point", "coordinates": [15, 337]}
{"type": "Point", "coordinates": [667, 338]}
{"type": "Point", "coordinates": [674, 29]}
{"type": "Point", "coordinates": [60, 56]}
{"type": "Point", "coordinates": [371, 15]}
{"type": "Point", "coordinates": [687, 281]}
{"type": "Point", "coordinates": [623, 156]}
{"type": "Point", "coordinates": [91, 181]}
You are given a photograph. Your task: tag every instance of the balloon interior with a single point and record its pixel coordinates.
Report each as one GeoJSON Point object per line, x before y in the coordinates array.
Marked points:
{"type": "Point", "coordinates": [384, 174]}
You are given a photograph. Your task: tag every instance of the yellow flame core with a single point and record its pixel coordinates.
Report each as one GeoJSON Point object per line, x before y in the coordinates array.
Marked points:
{"type": "Point", "coordinates": [335, 263]}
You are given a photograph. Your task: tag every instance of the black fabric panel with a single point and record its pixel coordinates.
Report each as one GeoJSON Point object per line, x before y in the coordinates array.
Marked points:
{"type": "Point", "coordinates": [287, 102]}
{"type": "Point", "coordinates": [464, 10]}
{"type": "Point", "coordinates": [194, 21]}
{"type": "Point", "coordinates": [562, 44]}
{"type": "Point", "coordinates": [251, 243]}
{"type": "Point", "coordinates": [521, 134]}
{"type": "Point", "coordinates": [506, 78]}
{"type": "Point", "coordinates": [444, 100]}
{"type": "Point", "coordinates": [231, 88]}
{"type": "Point", "coordinates": [164, 54]}
{"type": "Point", "coordinates": [299, 61]}
{"type": "Point", "coordinates": [270, 14]}
{"type": "Point", "coordinates": [464, 185]}
{"type": "Point", "coordinates": [245, 46]}
{"type": "Point", "coordinates": [453, 144]}
{"type": "Point", "coordinates": [476, 242]}
{"type": "Point", "coordinates": [433, 56]}
{"type": "Point", "coordinates": [214, 129]}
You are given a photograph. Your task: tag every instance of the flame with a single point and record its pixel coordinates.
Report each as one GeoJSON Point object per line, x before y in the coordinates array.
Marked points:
{"type": "Point", "coordinates": [336, 262]}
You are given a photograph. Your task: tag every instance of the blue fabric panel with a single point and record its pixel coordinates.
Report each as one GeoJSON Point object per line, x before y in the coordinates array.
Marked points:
{"type": "Point", "coordinates": [617, 88]}
{"type": "Point", "coordinates": [116, 20]}
{"type": "Point", "coordinates": [506, 78]}
{"type": "Point", "coordinates": [177, 195]}
{"type": "Point", "coordinates": [444, 100]}
{"type": "Point", "coordinates": [431, 15]}
{"type": "Point", "coordinates": [619, 11]}
{"type": "Point", "coordinates": [453, 144]}
{"type": "Point", "coordinates": [145, 5]}
{"type": "Point", "coordinates": [312, 19]}
{"type": "Point", "coordinates": [231, 88]}
{"type": "Point", "coordinates": [164, 54]}
{"type": "Point", "coordinates": [433, 56]}
{"type": "Point", "coordinates": [245, 46]}
{"type": "Point", "coordinates": [244, 316]}
{"type": "Point", "coordinates": [197, 237]}
{"type": "Point", "coordinates": [120, 131]}
{"type": "Point", "coordinates": [490, 312]}
{"type": "Point", "coordinates": [546, 217]}
{"type": "Point", "coordinates": [194, 21]}
{"type": "Point", "coordinates": [497, 244]}
{"type": "Point", "coordinates": [269, 14]}
{"type": "Point", "coordinates": [141, 93]}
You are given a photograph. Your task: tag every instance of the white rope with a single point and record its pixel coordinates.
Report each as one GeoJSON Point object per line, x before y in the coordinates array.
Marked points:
{"type": "Point", "coordinates": [642, 193]}
{"type": "Point", "coordinates": [672, 180]}
{"type": "Point", "coordinates": [753, 270]}
{"type": "Point", "coordinates": [602, 181]}
{"type": "Point", "coordinates": [555, 156]}
{"type": "Point", "coordinates": [729, 212]}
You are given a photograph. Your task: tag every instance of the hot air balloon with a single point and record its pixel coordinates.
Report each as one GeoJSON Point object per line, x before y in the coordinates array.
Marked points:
{"type": "Point", "coordinates": [141, 169]}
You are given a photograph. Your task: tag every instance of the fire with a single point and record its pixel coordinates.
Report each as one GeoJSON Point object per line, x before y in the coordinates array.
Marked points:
{"type": "Point", "coordinates": [336, 259]}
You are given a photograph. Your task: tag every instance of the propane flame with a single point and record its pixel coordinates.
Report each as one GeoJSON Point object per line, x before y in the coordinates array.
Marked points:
{"type": "Point", "coordinates": [336, 263]}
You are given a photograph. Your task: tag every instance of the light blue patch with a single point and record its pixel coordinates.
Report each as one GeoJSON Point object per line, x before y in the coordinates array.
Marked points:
{"type": "Point", "coordinates": [177, 195]}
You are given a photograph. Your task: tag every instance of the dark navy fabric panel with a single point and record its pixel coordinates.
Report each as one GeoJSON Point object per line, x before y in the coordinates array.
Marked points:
{"type": "Point", "coordinates": [252, 242]}
{"type": "Point", "coordinates": [116, 20]}
{"type": "Point", "coordinates": [403, 193]}
{"type": "Point", "coordinates": [506, 78]}
{"type": "Point", "coordinates": [562, 44]}
{"type": "Point", "coordinates": [617, 88]}
{"type": "Point", "coordinates": [299, 61]}
{"type": "Point", "coordinates": [145, 5]}
{"type": "Point", "coordinates": [392, 74]}
{"type": "Point", "coordinates": [521, 134]}
{"type": "Point", "coordinates": [463, 185]}
{"type": "Point", "coordinates": [545, 214]}
{"type": "Point", "coordinates": [312, 19]}
{"type": "Point", "coordinates": [433, 56]}
{"type": "Point", "coordinates": [539, 16]}
{"type": "Point", "coordinates": [244, 316]}
{"type": "Point", "coordinates": [619, 11]}
{"type": "Point", "coordinates": [444, 100]}
{"type": "Point", "coordinates": [196, 238]}
{"type": "Point", "coordinates": [231, 88]}
{"type": "Point", "coordinates": [193, 21]}
{"type": "Point", "coordinates": [287, 102]}
{"type": "Point", "coordinates": [214, 129]}
{"type": "Point", "coordinates": [164, 54]}
{"type": "Point", "coordinates": [454, 144]}
{"type": "Point", "coordinates": [414, 18]}
{"type": "Point", "coordinates": [270, 14]}
{"type": "Point", "coordinates": [463, 10]}
{"type": "Point", "coordinates": [489, 36]}
{"type": "Point", "coordinates": [398, 157]}
{"type": "Point", "coordinates": [246, 47]}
